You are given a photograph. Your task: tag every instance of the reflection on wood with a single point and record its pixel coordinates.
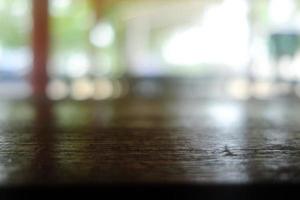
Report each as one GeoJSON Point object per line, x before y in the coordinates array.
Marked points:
{"type": "Point", "coordinates": [136, 140]}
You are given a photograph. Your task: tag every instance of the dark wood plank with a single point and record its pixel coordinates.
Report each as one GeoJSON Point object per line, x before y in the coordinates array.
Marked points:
{"type": "Point", "coordinates": [153, 141]}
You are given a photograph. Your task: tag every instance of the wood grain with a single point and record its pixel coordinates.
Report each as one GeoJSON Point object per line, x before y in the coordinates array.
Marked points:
{"type": "Point", "coordinates": [150, 141]}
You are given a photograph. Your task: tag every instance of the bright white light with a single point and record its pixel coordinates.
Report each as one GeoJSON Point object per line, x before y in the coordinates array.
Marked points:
{"type": "Point", "coordinates": [102, 35]}
{"type": "Point", "coordinates": [16, 61]}
{"type": "Point", "coordinates": [61, 3]}
{"type": "Point", "coordinates": [261, 66]}
{"type": "Point", "coordinates": [184, 47]}
{"type": "Point", "coordinates": [2, 5]}
{"type": "Point", "coordinates": [77, 65]}
{"type": "Point", "coordinates": [285, 68]}
{"type": "Point", "coordinates": [226, 115]}
{"type": "Point", "coordinates": [281, 10]}
{"type": "Point", "coordinates": [19, 8]}
{"type": "Point", "coordinates": [58, 7]}
{"type": "Point", "coordinates": [222, 38]}
{"type": "Point", "coordinates": [295, 65]}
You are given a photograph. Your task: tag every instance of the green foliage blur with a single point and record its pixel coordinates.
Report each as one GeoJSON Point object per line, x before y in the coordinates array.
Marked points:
{"type": "Point", "coordinates": [15, 23]}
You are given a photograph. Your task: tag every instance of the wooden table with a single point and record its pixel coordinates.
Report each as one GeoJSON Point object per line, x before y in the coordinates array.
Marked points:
{"type": "Point", "coordinates": [198, 145]}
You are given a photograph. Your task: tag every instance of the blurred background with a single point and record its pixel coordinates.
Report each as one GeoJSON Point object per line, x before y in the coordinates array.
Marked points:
{"type": "Point", "coordinates": [136, 85]}
{"type": "Point", "coordinates": [237, 49]}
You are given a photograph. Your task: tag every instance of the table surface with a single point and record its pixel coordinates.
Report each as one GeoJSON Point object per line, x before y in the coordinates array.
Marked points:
{"type": "Point", "coordinates": [150, 141]}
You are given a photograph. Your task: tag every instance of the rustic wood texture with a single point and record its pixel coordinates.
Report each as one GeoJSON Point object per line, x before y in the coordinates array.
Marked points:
{"type": "Point", "coordinates": [140, 140]}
